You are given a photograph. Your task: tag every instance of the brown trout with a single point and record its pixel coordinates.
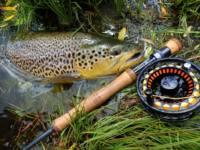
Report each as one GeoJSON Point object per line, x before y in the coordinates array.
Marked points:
{"type": "Point", "coordinates": [63, 59]}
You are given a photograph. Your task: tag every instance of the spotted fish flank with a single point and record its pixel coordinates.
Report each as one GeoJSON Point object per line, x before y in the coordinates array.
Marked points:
{"type": "Point", "coordinates": [44, 57]}
{"type": "Point", "coordinates": [53, 55]}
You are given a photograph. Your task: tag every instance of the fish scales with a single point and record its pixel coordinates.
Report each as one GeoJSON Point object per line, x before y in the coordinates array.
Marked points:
{"type": "Point", "coordinates": [55, 54]}
{"type": "Point", "coordinates": [45, 56]}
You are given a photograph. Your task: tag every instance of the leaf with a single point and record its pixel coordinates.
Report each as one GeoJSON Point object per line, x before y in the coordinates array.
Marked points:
{"type": "Point", "coordinates": [188, 29]}
{"type": "Point", "coordinates": [8, 18]}
{"type": "Point", "coordinates": [197, 46]}
{"type": "Point", "coordinates": [163, 10]}
{"type": "Point", "coordinates": [147, 40]}
{"type": "Point", "coordinates": [122, 34]}
{"type": "Point", "coordinates": [73, 146]}
{"type": "Point", "coordinates": [8, 8]}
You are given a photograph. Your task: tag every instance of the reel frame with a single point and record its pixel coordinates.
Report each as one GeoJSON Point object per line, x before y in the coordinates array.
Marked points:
{"type": "Point", "coordinates": [167, 109]}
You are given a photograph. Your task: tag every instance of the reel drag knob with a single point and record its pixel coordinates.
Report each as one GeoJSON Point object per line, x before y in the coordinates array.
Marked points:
{"type": "Point", "coordinates": [169, 85]}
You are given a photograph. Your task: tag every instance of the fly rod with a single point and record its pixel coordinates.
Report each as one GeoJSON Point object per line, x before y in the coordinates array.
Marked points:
{"type": "Point", "coordinates": [98, 98]}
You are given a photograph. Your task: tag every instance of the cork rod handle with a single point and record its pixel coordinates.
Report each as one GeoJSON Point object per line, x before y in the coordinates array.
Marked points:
{"type": "Point", "coordinates": [96, 99]}
{"type": "Point", "coordinates": [174, 45]}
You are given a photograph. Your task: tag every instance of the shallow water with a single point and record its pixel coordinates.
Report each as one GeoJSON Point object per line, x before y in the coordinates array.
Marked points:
{"type": "Point", "coordinates": [20, 97]}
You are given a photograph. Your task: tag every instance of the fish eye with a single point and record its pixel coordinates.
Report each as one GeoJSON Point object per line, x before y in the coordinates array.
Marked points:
{"type": "Point", "coordinates": [116, 51]}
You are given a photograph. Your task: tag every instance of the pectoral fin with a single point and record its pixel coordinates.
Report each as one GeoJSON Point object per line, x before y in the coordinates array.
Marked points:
{"type": "Point", "coordinates": [61, 79]}
{"type": "Point", "coordinates": [60, 87]}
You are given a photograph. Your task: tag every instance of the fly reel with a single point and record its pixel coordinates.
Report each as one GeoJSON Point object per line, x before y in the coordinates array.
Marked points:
{"type": "Point", "coordinates": [169, 89]}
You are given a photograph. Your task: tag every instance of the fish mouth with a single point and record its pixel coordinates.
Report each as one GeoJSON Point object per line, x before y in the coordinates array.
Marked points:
{"type": "Point", "coordinates": [135, 56]}
{"type": "Point", "coordinates": [130, 62]}
{"type": "Point", "coordinates": [136, 59]}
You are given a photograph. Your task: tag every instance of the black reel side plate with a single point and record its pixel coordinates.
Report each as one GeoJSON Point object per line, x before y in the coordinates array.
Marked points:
{"type": "Point", "coordinates": [170, 78]}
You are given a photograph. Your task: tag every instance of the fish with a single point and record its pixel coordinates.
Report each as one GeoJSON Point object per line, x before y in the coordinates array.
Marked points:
{"type": "Point", "coordinates": [58, 57]}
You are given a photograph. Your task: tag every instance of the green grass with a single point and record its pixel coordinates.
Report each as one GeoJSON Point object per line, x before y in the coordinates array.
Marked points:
{"type": "Point", "coordinates": [131, 129]}
{"type": "Point", "coordinates": [189, 7]}
{"type": "Point", "coordinates": [119, 5]}
{"type": "Point", "coordinates": [68, 13]}
{"type": "Point", "coordinates": [140, 5]}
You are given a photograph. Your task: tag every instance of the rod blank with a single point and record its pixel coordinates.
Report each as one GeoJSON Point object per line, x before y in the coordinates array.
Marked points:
{"type": "Point", "coordinates": [38, 139]}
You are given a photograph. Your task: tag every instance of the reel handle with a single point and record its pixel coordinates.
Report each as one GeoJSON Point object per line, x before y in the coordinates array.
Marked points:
{"type": "Point", "coordinates": [174, 45]}
{"type": "Point", "coordinates": [95, 100]}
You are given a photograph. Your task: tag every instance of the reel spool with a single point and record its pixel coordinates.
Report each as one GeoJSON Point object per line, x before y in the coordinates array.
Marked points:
{"type": "Point", "coordinates": [164, 87]}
